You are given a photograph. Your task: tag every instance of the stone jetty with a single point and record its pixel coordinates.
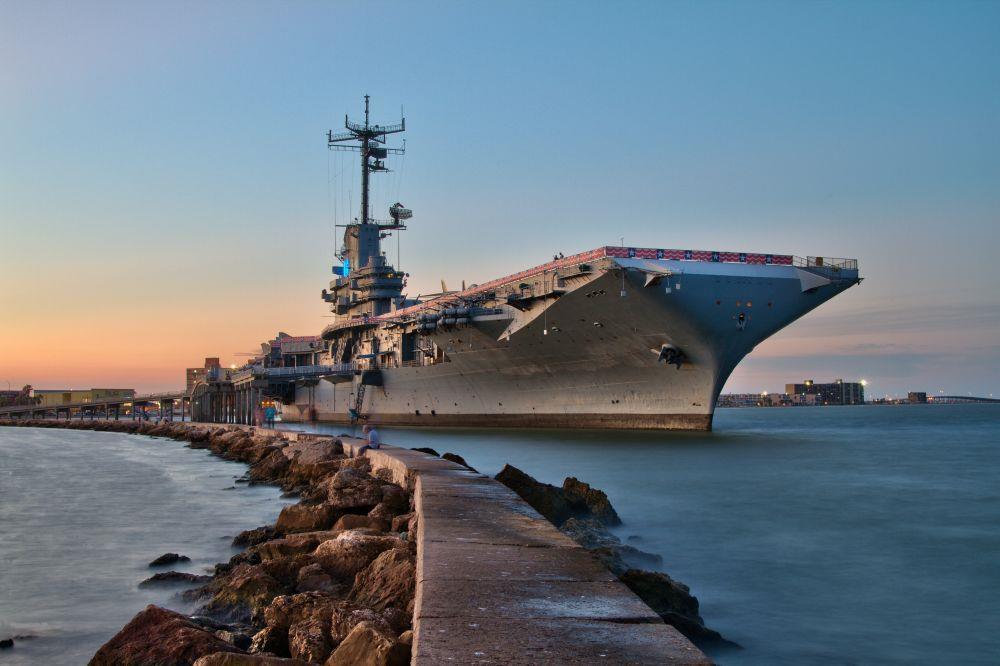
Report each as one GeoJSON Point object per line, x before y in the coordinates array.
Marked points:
{"type": "Point", "coordinates": [391, 557]}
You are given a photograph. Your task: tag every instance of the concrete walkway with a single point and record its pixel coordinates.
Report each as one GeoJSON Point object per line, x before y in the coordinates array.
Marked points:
{"type": "Point", "coordinates": [499, 584]}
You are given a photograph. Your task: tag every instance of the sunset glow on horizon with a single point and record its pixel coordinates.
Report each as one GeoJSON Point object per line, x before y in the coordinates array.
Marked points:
{"type": "Point", "coordinates": [166, 193]}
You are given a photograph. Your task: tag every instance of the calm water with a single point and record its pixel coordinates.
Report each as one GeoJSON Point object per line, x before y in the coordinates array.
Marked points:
{"type": "Point", "coordinates": [866, 535]}
{"type": "Point", "coordinates": [82, 514]}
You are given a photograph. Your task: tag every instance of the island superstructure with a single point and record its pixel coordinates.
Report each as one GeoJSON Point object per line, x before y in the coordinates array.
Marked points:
{"type": "Point", "coordinates": [614, 337]}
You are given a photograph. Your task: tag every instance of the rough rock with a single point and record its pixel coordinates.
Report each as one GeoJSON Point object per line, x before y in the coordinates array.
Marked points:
{"type": "Point", "coordinates": [395, 499]}
{"type": "Point", "coordinates": [387, 581]}
{"type": "Point", "coordinates": [255, 536]}
{"type": "Point", "coordinates": [6, 643]}
{"type": "Point", "coordinates": [580, 494]}
{"type": "Point", "coordinates": [243, 593]}
{"type": "Point", "coordinates": [455, 458]}
{"type": "Point", "coordinates": [272, 640]}
{"type": "Point", "coordinates": [168, 577]}
{"type": "Point", "coordinates": [367, 646]}
{"type": "Point", "coordinates": [400, 523]}
{"type": "Point", "coordinates": [293, 544]}
{"type": "Point", "coordinates": [351, 552]}
{"type": "Point", "coordinates": [309, 640]}
{"type": "Point", "coordinates": [271, 466]}
{"type": "Point", "coordinates": [159, 636]}
{"type": "Point", "coordinates": [306, 518]}
{"type": "Point", "coordinates": [287, 610]}
{"type": "Point", "coordinates": [425, 449]}
{"type": "Point", "coordinates": [237, 638]}
{"type": "Point", "coordinates": [231, 659]}
{"type": "Point", "coordinates": [169, 558]}
{"type": "Point", "coordinates": [674, 602]}
{"type": "Point", "coordinates": [574, 500]}
{"type": "Point", "coordinates": [544, 498]}
{"type": "Point", "coordinates": [312, 578]}
{"type": "Point", "coordinates": [352, 521]}
{"type": "Point", "coordinates": [346, 615]}
{"type": "Point", "coordinates": [353, 490]}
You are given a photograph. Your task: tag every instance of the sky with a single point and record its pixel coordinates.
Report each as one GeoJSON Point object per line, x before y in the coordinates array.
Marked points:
{"type": "Point", "coordinates": [166, 192]}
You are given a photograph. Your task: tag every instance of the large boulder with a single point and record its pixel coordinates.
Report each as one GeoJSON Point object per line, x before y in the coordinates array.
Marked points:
{"type": "Point", "coordinates": [353, 491]}
{"type": "Point", "coordinates": [306, 518]}
{"type": "Point", "coordinates": [293, 544]}
{"type": "Point", "coordinates": [169, 558]}
{"type": "Point", "coordinates": [596, 503]}
{"type": "Point", "coordinates": [287, 610]}
{"type": "Point", "coordinates": [367, 646]}
{"type": "Point", "coordinates": [546, 499]}
{"type": "Point", "coordinates": [347, 615]}
{"type": "Point", "coordinates": [159, 636]}
{"type": "Point", "coordinates": [270, 466]}
{"type": "Point", "coordinates": [243, 593]}
{"type": "Point", "coordinates": [672, 601]}
{"type": "Point", "coordinates": [390, 580]}
{"type": "Point", "coordinates": [309, 640]}
{"type": "Point", "coordinates": [312, 578]}
{"type": "Point", "coordinates": [254, 536]}
{"type": "Point", "coordinates": [270, 640]}
{"type": "Point", "coordinates": [352, 521]}
{"type": "Point", "coordinates": [574, 500]}
{"type": "Point", "coordinates": [351, 552]}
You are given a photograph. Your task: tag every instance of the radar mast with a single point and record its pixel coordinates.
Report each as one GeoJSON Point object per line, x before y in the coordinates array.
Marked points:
{"type": "Point", "coordinates": [368, 285]}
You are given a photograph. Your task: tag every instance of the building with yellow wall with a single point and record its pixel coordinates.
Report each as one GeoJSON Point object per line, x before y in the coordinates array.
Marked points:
{"type": "Point", "coordinates": [60, 397]}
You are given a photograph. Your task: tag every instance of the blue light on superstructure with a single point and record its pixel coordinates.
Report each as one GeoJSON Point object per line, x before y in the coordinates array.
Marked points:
{"type": "Point", "coordinates": [343, 270]}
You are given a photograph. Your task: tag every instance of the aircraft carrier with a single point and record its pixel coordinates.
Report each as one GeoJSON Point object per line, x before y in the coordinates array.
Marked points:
{"type": "Point", "coordinates": [614, 337]}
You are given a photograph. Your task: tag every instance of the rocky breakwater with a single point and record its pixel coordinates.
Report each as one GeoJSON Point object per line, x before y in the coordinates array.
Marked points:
{"type": "Point", "coordinates": [585, 514]}
{"type": "Point", "coordinates": [331, 582]}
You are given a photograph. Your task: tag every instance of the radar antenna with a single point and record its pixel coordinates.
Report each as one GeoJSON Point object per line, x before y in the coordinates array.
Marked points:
{"type": "Point", "coordinates": [371, 139]}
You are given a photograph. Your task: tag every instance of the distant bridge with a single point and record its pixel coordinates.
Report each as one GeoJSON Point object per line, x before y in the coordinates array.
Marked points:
{"type": "Point", "coordinates": [108, 408]}
{"type": "Point", "coordinates": [960, 399]}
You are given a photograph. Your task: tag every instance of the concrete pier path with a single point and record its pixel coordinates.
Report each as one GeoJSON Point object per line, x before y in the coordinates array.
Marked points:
{"type": "Point", "coordinates": [499, 584]}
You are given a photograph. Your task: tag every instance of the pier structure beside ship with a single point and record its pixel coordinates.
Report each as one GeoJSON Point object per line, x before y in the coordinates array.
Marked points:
{"type": "Point", "coordinates": [616, 337]}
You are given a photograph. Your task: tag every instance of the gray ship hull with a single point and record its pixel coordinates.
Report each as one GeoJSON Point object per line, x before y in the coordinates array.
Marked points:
{"type": "Point", "coordinates": [591, 357]}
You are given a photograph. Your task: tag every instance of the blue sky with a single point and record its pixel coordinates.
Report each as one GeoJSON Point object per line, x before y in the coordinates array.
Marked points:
{"type": "Point", "coordinates": [180, 147]}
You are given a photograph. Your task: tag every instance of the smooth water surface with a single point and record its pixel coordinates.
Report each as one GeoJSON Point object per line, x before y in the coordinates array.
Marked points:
{"type": "Point", "coordinates": [827, 535]}
{"type": "Point", "coordinates": [81, 515]}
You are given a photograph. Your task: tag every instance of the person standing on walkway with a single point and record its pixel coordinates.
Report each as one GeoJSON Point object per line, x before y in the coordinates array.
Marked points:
{"type": "Point", "coordinates": [269, 415]}
{"type": "Point", "coordinates": [258, 416]}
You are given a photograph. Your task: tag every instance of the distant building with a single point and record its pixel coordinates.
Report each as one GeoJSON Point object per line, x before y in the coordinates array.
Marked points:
{"type": "Point", "coordinates": [917, 397]}
{"type": "Point", "coordinates": [753, 400]}
{"type": "Point", "coordinates": [834, 393]}
{"type": "Point", "coordinates": [292, 351]}
{"type": "Point", "coordinates": [195, 375]}
{"type": "Point", "coordinates": [60, 397]}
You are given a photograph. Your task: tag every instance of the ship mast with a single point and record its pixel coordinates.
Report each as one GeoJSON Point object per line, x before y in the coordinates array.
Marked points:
{"type": "Point", "coordinates": [369, 285]}
{"type": "Point", "coordinates": [371, 139]}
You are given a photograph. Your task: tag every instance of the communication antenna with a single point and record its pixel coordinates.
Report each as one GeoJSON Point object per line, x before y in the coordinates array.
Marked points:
{"type": "Point", "coordinates": [371, 140]}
